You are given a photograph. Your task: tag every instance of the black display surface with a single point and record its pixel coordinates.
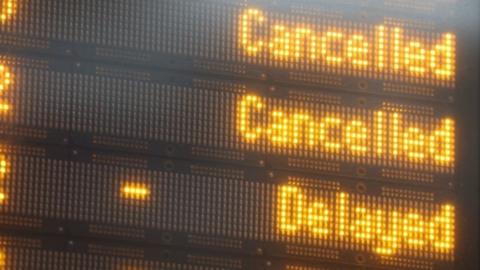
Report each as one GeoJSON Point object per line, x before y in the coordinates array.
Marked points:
{"type": "Point", "coordinates": [381, 47]}
{"type": "Point", "coordinates": [164, 113]}
{"type": "Point", "coordinates": [56, 252]}
{"type": "Point", "coordinates": [295, 135]}
{"type": "Point", "coordinates": [239, 209]}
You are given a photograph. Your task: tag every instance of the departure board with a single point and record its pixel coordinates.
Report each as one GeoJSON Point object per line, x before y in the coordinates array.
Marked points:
{"type": "Point", "coordinates": [297, 213]}
{"type": "Point", "coordinates": [248, 122]}
{"type": "Point", "coordinates": [239, 134]}
{"type": "Point", "coordinates": [309, 42]}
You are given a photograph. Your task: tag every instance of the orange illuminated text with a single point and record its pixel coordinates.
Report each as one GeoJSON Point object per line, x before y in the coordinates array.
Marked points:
{"type": "Point", "coordinates": [378, 50]}
{"type": "Point", "coordinates": [346, 133]}
{"type": "Point", "coordinates": [135, 191]}
{"type": "Point", "coordinates": [371, 222]}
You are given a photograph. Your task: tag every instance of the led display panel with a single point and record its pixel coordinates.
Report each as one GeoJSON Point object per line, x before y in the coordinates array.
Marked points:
{"type": "Point", "coordinates": [94, 105]}
{"type": "Point", "coordinates": [404, 47]}
{"type": "Point", "coordinates": [62, 253]}
{"type": "Point", "coordinates": [240, 209]}
{"type": "Point", "coordinates": [297, 135]}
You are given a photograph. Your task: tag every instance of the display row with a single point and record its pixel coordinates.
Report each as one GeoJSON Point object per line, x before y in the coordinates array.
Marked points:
{"type": "Point", "coordinates": [126, 197]}
{"type": "Point", "coordinates": [236, 121]}
{"type": "Point", "coordinates": [377, 49]}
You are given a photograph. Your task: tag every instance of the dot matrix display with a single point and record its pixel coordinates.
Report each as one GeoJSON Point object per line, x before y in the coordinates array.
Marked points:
{"type": "Point", "coordinates": [325, 214]}
{"type": "Point", "coordinates": [395, 225]}
{"type": "Point", "coordinates": [345, 132]}
{"type": "Point", "coordinates": [365, 221]}
{"type": "Point", "coordinates": [28, 252]}
{"type": "Point", "coordinates": [238, 35]}
{"type": "Point", "coordinates": [386, 134]}
{"type": "Point", "coordinates": [376, 51]}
